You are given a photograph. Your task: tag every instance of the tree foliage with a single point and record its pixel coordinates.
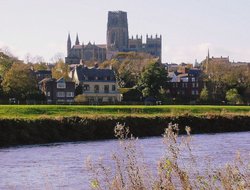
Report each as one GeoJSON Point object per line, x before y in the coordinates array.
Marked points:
{"type": "Point", "coordinates": [39, 66]}
{"type": "Point", "coordinates": [128, 67]}
{"type": "Point", "coordinates": [19, 81]}
{"type": "Point", "coordinates": [6, 63]}
{"type": "Point", "coordinates": [60, 70]}
{"type": "Point", "coordinates": [81, 98]}
{"type": "Point", "coordinates": [233, 97]}
{"type": "Point", "coordinates": [153, 79]}
{"type": "Point", "coordinates": [204, 95]}
{"type": "Point", "coordinates": [222, 76]}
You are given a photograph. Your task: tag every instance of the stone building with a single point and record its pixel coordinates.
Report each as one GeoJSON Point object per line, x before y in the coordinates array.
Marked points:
{"type": "Point", "coordinates": [117, 31]}
{"type": "Point", "coordinates": [98, 85]}
{"type": "Point", "coordinates": [89, 52]}
{"type": "Point", "coordinates": [117, 38]}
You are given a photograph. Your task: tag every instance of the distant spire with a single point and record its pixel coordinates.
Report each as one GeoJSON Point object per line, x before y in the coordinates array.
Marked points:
{"type": "Point", "coordinates": [68, 45]}
{"type": "Point", "coordinates": [207, 61]}
{"type": "Point", "coordinates": [77, 40]}
{"type": "Point", "coordinates": [69, 38]}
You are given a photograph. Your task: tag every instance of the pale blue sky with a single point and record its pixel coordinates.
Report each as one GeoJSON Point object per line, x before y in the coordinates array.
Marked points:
{"type": "Point", "coordinates": [188, 27]}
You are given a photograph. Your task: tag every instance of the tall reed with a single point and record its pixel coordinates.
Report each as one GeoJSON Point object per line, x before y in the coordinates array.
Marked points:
{"type": "Point", "coordinates": [129, 171]}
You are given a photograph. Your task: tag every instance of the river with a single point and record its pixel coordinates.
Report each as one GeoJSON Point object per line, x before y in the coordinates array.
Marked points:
{"type": "Point", "coordinates": [62, 165]}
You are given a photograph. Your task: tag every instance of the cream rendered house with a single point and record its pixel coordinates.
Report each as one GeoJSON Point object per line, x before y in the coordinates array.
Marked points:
{"type": "Point", "coordinates": [99, 85]}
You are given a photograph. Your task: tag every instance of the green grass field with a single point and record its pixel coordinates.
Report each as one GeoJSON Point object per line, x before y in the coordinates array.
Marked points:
{"type": "Point", "coordinates": [52, 111]}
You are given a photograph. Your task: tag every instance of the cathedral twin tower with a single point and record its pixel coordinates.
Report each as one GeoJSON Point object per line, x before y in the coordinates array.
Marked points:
{"type": "Point", "coordinates": [117, 41]}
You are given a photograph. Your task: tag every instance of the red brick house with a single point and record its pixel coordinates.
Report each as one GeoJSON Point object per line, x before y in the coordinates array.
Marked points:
{"type": "Point", "coordinates": [58, 91]}
{"type": "Point", "coordinates": [186, 85]}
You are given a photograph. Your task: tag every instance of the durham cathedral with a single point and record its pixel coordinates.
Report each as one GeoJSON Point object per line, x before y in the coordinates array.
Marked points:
{"type": "Point", "coordinates": [117, 41]}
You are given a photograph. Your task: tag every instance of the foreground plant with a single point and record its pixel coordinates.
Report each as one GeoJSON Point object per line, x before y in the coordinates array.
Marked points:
{"type": "Point", "coordinates": [129, 171]}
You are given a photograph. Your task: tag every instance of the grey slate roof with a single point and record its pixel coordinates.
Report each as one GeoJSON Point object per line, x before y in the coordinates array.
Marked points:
{"type": "Point", "coordinates": [194, 72]}
{"type": "Point", "coordinates": [94, 74]}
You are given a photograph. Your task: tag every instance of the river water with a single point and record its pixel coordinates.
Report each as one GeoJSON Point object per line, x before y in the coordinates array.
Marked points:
{"type": "Point", "coordinates": [62, 165]}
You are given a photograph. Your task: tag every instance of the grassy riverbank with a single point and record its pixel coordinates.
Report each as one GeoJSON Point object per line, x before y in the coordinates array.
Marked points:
{"type": "Point", "coordinates": [52, 111]}
{"type": "Point", "coordinates": [32, 124]}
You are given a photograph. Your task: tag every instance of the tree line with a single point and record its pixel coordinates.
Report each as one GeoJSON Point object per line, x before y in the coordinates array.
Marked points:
{"type": "Point", "coordinates": [225, 82]}
{"type": "Point", "coordinates": [138, 75]}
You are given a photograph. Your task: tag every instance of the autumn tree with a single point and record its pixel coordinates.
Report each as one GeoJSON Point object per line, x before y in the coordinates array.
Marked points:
{"type": "Point", "coordinates": [60, 70]}
{"type": "Point", "coordinates": [220, 75]}
{"type": "Point", "coordinates": [19, 81]}
{"type": "Point", "coordinates": [128, 67]}
{"type": "Point", "coordinates": [6, 63]}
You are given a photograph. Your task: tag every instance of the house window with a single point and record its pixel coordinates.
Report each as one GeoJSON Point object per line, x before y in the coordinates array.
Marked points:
{"type": "Point", "coordinates": [193, 79]}
{"type": "Point", "coordinates": [96, 88]}
{"type": "Point", "coordinates": [60, 94]}
{"type": "Point", "coordinates": [113, 88]}
{"type": "Point", "coordinates": [193, 92]}
{"type": "Point", "coordinates": [86, 87]}
{"type": "Point", "coordinates": [61, 85]}
{"type": "Point", "coordinates": [197, 84]}
{"type": "Point", "coordinates": [197, 92]}
{"type": "Point", "coordinates": [70, 94]}
{"type": "Point", "coordinates": [193, 85]}
{"type": "Point", "coordinates": [48, 93]}
{"type": "Point", "coordinates": [106, 88]}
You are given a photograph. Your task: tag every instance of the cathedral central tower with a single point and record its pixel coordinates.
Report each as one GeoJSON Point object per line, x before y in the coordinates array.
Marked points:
{"type": "Point", "coordinates": [117, 31]}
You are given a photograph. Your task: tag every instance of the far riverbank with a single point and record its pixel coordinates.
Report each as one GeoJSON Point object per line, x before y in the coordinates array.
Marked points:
{"type": "Point", "coordinates": [20, 131]}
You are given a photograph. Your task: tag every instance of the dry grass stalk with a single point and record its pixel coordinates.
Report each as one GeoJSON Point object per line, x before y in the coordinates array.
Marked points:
{"type": "Point", "coordinates": [130, 171]}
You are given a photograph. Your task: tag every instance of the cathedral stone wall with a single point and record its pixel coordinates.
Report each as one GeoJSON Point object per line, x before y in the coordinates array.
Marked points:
{"type": "Point", "coordinates": [117, 31]}
{"type": "Point", "coordinates": [117, 41]}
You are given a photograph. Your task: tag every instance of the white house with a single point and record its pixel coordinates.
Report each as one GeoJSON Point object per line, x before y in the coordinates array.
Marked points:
{"type": "Point", "coordinates": [99, 85]}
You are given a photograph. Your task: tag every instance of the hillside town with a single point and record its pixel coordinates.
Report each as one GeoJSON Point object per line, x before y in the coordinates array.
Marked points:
{"type": "Point", "coordinates": [123, 71]}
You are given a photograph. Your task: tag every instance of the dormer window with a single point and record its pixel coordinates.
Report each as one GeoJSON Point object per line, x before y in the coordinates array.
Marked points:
{"type": "Point", "coordinates": [61, 85]}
